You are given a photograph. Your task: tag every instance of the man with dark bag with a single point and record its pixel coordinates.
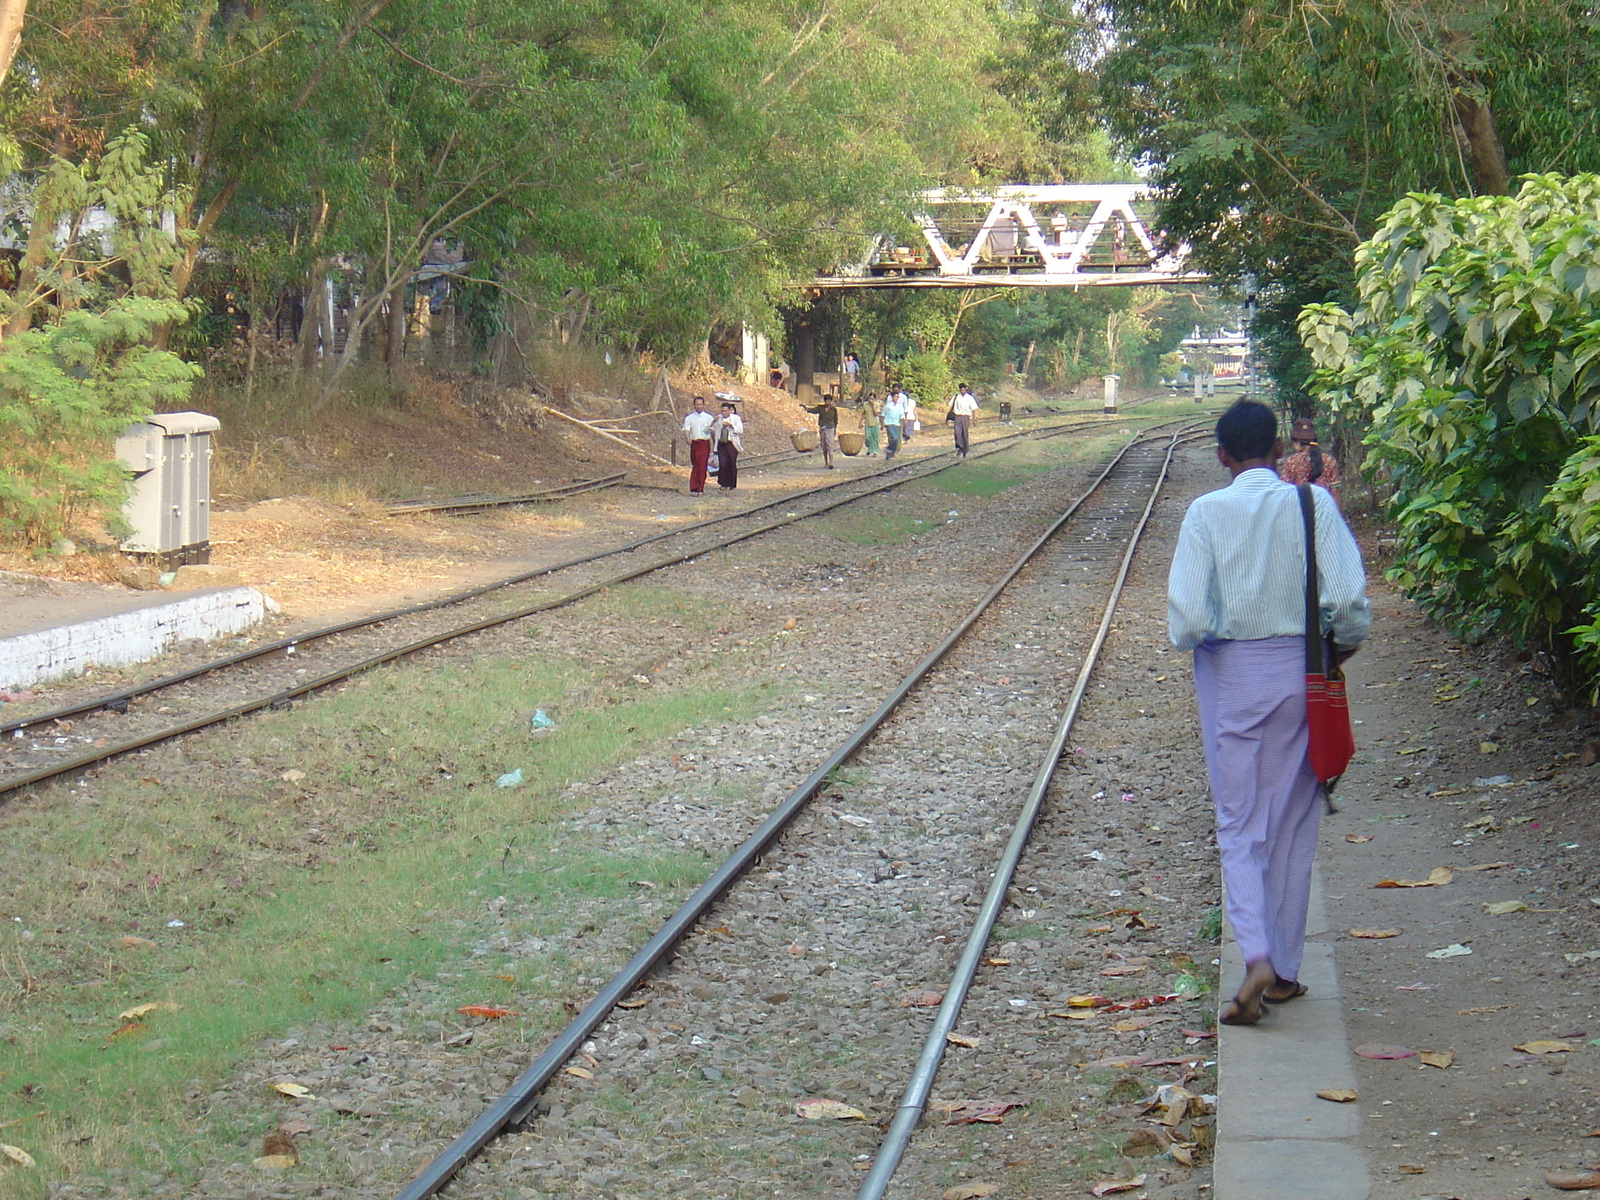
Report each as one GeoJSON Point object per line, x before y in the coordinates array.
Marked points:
{"type": "Point", "coordinates": [1236, 597]}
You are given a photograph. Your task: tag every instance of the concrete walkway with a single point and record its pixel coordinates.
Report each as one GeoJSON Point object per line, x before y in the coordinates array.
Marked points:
{"type": "Point", "coordinates": [1275, 1137]}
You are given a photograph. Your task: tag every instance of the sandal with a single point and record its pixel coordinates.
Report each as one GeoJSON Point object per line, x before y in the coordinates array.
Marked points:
{"type": "Point", "coordinates": [1237, 1014]}
{"type": "Point", "coordinates": [1292, 989]}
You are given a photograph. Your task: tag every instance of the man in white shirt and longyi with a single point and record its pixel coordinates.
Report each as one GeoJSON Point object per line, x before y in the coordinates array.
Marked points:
{"type": "Point", "coordinates": [1236, 597]}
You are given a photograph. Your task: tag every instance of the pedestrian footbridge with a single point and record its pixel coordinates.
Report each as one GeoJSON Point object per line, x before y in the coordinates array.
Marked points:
{"type": "Point", "coordinates": [1053, 235]}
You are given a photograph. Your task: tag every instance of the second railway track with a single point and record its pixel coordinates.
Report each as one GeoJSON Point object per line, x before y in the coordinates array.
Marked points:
{"type": "Point", "coordinates": [54, 743]}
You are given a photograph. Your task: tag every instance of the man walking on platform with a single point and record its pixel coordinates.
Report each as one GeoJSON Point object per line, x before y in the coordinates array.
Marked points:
{"type": "Point", "coordinates": [893, 417]}
{"type": "Point", "coordinates": [962, 405]}
{"type": "Point", "coordinates": [697, 433]}
{"type": "Point", "coordinates": [827, 414]}
{"type": "Point", "coordinates": [1236, 597]}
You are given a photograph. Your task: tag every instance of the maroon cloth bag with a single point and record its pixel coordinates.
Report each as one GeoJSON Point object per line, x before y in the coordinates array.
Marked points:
{"type": "Point", "coordinates": [1331, 742]}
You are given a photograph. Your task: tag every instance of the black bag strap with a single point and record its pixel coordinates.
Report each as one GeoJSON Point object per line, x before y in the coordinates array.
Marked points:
{"type": "Point", "coordinates": [1308, 515]}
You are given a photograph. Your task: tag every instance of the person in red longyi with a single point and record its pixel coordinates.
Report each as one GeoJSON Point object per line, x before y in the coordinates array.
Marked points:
{"type": "Point", "coordinates": [697, 433]}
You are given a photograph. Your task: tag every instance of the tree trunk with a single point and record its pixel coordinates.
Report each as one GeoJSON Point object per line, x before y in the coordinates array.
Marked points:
{"type": "Point", "coordinates": [1485, 153]}
{"type": "Point", "coordinates": [394, 345]}
{"type": "Point", "coordinates": [805, 360]}
{"type": "Point", "coordinates": [1027, 360]}
{"type": "Point", "coordinates": [11, 14]}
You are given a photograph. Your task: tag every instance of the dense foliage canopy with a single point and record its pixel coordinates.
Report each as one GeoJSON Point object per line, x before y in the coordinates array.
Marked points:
{"type": "Point", "coordinates": [1473, 357]}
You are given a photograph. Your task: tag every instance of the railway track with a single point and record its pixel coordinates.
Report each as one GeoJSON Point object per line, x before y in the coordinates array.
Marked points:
{"type": "Point", "coordinates": [838, 876]}
{"type": "Point", "coordinates": [47, 745]}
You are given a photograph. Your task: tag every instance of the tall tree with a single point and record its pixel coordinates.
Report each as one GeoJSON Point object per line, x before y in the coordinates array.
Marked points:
{"type": "Point", "coordinates": [1279, 133]}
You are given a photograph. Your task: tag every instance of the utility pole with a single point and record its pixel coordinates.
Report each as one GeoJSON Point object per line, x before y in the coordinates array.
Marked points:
{"type": "Point", "coordinates": [1249, 283]}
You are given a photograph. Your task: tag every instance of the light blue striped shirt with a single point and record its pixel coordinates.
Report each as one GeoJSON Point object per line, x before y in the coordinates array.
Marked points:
{"type": "Point", "coordinates": [1239, 572]}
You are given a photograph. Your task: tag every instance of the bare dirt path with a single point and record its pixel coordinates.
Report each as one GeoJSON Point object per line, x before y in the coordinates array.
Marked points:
{"type": "Point", "coordinates": [1468, 763]}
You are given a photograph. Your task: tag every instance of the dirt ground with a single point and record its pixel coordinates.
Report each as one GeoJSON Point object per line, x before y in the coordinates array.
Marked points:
{"type": "Point", "coordinates": [1469, 761]}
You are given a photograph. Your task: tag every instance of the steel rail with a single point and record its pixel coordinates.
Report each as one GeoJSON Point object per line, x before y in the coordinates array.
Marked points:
{"type": "Point", "coordinates": [286, 696]}
{"type": "Point", "coordinates": [915, 1099]}
{"type": "Point", "coordinates": [514, 1105]}
{"type": "Point", "coordinates": [289, 644]}
{"type": "Point", "coordinates": [472, 504]}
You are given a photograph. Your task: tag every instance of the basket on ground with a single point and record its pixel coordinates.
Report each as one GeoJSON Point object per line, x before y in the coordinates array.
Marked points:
{"type": "Point", "coordinates": [852, 443]}
{"type": "Point", "coordinates": [804, 439]}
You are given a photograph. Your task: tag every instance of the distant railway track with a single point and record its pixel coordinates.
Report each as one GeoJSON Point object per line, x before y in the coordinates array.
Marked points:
{"type": "Point", "coordinates": [1092, 543]}
{"type": "Point", "coordinates": [273, 675]}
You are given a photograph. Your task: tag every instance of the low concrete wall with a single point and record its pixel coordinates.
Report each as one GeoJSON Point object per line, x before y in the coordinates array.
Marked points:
{"type": "Point", "coordinates": [121, 638]}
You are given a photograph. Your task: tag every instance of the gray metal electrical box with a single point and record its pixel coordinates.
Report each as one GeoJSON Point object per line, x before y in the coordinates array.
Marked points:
{"type": "Point", "coordinates": [170, 504]}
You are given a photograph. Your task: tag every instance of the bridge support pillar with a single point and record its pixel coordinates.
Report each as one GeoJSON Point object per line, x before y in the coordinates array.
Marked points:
{"type": "Point", "coordinates": [805, 360]}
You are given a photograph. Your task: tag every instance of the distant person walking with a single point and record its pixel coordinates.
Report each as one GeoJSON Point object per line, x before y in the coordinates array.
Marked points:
{"type": "Point", "coordinates": [1309, 463]}
{"type": "Point", "coordinates": [869, 422]}
{"type": "Point", "coordinates": [852, 368]}
{"type": "Point", "coordinates": [962, 407]}
{"type": "Point", "coordinates": [1236, 597]}
{"type": "Point", "coordinates": [726, 432]}
{"type": "Point", "coordinates": [909, 403]}
{"type": "Point", "coordinates": [697, 433]}
{"type": "Point", "coordinates": [893, 415]}
{"type": "Point", "coordinates": [827, 414]}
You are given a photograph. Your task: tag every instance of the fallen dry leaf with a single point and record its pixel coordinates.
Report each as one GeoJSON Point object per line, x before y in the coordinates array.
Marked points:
{"type": "Point", "coordinates": [827, 1110]}
{"type": "Point", "coordinates": [1494, 866]}
{"type": "Point", "coordinates": [275, 1162]}
{"type": "Point", "coordinates": [1437, 1058]}
{"type": "Point", "coordinates": [922, 998]}
{"type": "Point", "coordinates": [1098, 929]}
{"type": "Point", "coordinates": [294, 1090]}
{"type": "Point", "coordinates": [1545, 1046]}
{"type": "Point", "coordinates": [17, 1155]}
{"type": "Point", "coordinates": [129, 942]}
{"type": "Point", "coordinates": [1075, 1014]}
{"type": "Point", "coordinates": [1408, 1169]}
{"type": "Point", "coordinates": [1337, 1095]}
{"type": "Point", "coordinates": [1501, 907]}
{"type": "Point", "coordinates": [1183, 1153]}
{"type": "Point", "coordinates": [279, 1144]}
{"type": "Point", "coordinates": [1380, 1050]}
{"type": "Point", "coordinates": [997, 962]}
{"type": "Point", "coordinates": [1141, 1002]}
{"type": "Point", "coordinates": [1358, 838]}
{"type": "Point", "coordinates": [969, 1191]}
{"type": "Point", "coordinates": [961, 1039]}
{"type": "Point", "coordinates": [1123, 969]}
{"type": "Point", "coordinates": [1374, 933]}
{"type": "Point", "coordinates": [1473, 1012]}
{"type": "Point", "coordinates": [140, 1011]}
{"type": "Point", "coordinates": [972, 1112]}
{"type": "Point", "coordinates": [488, 1012]}
{"type": "Point", "coordinates": [1145, 1141]}
{"type": "Point", "coordinates": [1134, 1024]}
{"type": "Point", "coordinates": [1437, 877]}
{"type": "Point", "coordinates": [1111, 1187]}
{"type": "Point", "coordinates": [1087, 1001]}
{"type": "Point", "coordinates": [580, 1072]}
{"type": "Point", "coordinates": [634, 1001]}
{"type": "Point", "coordinates": [1573, 1181]}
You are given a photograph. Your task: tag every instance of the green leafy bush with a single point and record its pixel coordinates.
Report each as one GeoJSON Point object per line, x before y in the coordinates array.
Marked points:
{"type": "Point", "coordinates": [1473, 356]}
{"type": "Point", "coordinates": [79, 360]}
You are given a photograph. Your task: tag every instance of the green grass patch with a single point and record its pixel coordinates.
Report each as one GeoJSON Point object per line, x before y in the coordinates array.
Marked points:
{"type": "Point", "coordinates": [303, 897]}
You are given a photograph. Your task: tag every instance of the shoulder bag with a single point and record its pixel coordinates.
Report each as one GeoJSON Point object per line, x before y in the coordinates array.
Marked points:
{"type": "Point", "coordinates": [1331, 742]}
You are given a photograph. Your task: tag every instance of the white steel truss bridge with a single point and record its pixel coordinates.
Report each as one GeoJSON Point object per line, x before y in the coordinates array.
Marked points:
{"type": "Point", "coordinates": [1051, 235]}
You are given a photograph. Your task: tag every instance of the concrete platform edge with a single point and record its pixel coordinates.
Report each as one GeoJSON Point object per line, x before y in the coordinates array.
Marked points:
{"type": "Point", "coordinates": [1272, 1130]}
{"type": "Point", "coordinates": [120, 639]}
